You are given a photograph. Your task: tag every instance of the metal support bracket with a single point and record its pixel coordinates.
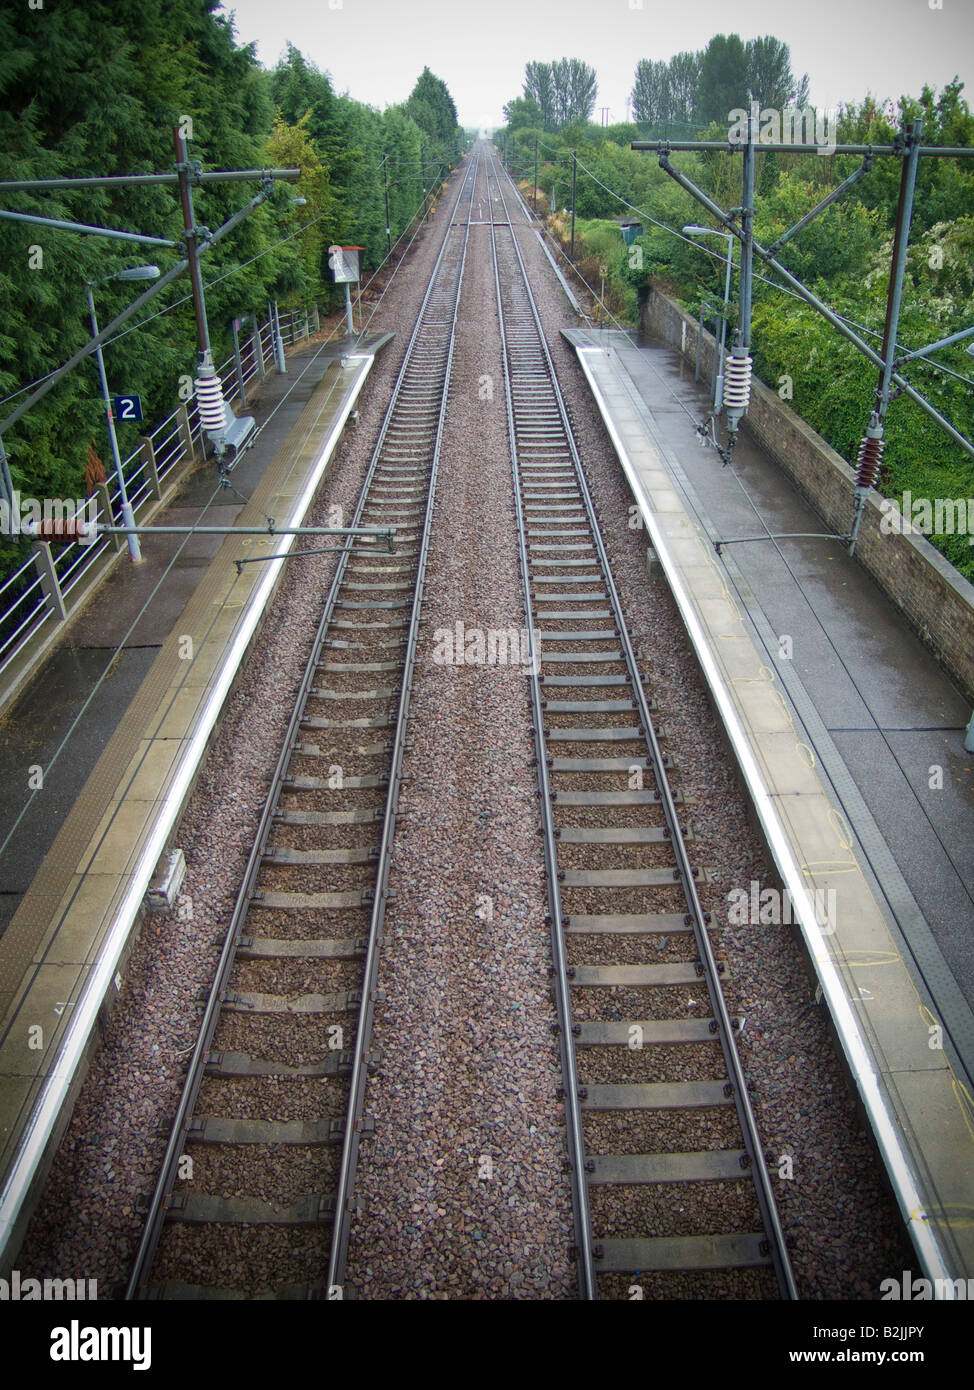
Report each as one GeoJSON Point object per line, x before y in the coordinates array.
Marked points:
{"type": "Point", "coordinates": [781, 536]}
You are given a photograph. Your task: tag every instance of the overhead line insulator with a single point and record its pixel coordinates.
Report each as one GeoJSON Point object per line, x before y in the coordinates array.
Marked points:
{"type": "Point", "coordinates": [213, 411]}
{"type": "Point", "coordinates": [737, 386]}
{"type": "Point", "coordinates": [869, 461]}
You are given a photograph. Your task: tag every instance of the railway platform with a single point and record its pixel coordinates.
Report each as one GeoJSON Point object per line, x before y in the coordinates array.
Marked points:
{"type": "Point", "coordinates": [834, 734]}
{"type": "Point", "coordinates": [83, 857]}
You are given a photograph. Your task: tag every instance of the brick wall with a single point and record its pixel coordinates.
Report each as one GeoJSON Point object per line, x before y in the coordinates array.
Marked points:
{"type": "Point", "coordinates": [935, 598]}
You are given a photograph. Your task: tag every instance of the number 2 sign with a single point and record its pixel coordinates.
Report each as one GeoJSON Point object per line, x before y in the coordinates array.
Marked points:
{"type": "Point", "coordinates": [127, 407]}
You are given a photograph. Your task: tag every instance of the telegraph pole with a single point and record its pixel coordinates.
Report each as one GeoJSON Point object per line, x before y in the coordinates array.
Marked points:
{"type": "Point", "coordinates": [571, 254]}
{"type": "Point", "coordinates": [191, 240]}
{"type": "Point", "coordinates": [266, 176]}
{"type": "Point", "coordinates": [385, 179]}
{"type": "Point", "coordinates": [535, 169]}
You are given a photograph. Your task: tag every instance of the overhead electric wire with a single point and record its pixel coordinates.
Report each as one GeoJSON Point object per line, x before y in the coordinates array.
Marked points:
{"type": "Point", "coordinates": [217, 279]}
{"type": "Point", "coordinates": [715, 255]}
{"type": "Point", "coordinates": [184, 299]}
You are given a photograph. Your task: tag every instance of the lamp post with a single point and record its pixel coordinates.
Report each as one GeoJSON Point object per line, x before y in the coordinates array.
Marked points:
{"type": "Point", "coordinates": [714, 231]}
{"type": "Point", "coordinates": [137, 272]}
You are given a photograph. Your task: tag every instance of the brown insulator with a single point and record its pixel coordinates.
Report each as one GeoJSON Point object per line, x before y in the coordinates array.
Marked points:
{"type": "Point", "coordinates": [869, 461]}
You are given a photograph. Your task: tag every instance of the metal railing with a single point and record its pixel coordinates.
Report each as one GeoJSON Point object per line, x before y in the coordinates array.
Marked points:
{"type": "Point", "coordinates": [44, 591]}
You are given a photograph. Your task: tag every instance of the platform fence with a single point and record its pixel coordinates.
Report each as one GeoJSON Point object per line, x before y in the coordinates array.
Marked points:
{"type": "Point", "coordinates": [46, 590]}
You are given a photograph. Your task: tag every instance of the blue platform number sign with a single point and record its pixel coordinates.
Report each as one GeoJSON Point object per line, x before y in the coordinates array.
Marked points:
{"type": "Point", "coordinates": [127, 407]}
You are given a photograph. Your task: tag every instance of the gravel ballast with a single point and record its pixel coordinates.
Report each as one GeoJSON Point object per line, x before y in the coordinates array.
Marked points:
{"type": "Point", "coordinates": [844, 1231]}
{"type": "Point", "coordinates": [463, 1189]}
{"type": "Point", "coordinates": [87, 1222]}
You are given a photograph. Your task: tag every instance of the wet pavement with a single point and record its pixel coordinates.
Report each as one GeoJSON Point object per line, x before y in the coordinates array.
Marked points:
{"type": "Point", "coordinates": [82, 691]}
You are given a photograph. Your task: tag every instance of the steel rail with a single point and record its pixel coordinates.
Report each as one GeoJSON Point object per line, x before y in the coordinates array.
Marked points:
{"type": "Point", "coordinates": [573, 1117]}
{"type": "Point", "coordinates": [155, 1219]}
{"type": "Point", "coordinates": [350, 1146]}
{"type": "Point", "coordinates": [752, 1140]}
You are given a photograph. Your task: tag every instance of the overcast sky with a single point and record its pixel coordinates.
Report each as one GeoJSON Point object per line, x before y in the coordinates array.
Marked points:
{"type": "Point", "coordinates": [375, 49]}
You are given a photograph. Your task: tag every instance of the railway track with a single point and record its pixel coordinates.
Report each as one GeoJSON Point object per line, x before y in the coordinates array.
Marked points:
{"type": "Point", "coordinates": [257, 1187]}
{"type": "Point", "coordinates": [648, 1047]}
{"type": "Point", "coordinates": [256, 1190]}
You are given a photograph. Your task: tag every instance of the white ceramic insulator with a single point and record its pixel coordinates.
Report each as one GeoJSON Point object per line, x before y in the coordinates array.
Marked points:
{"type": "Point", "coordinates": [209, 395]}
{"type": "Point", "coordinates": [737, 383]}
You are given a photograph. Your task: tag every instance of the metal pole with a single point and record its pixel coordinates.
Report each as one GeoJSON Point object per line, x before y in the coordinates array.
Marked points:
{"type": "Point", "coordinates": [385, 179]}
{"type": "Point", "coordinates": [6, 482]}
{"type": "Point", "coordinates": [380, 532]}
{"type": "Point", "coordinates": [742, 333]}
{"type": "Point", "coordinates": [935, 347]}
{"type": "Point", "coordinates": [127, 512]}
{"type": "Point", "coordinates": [864, 168]}
{"type": "Point", "coordinates": [275, 318]}
{"type": "Point", "coordinates": [192, 250]}
{"type": "Point", "coordinates": [84, 228]}
{"type": "Point", "coordinates": [127, 180]}
{"type": "Point", "coordinates": [258, 348]}
{"type": "Point", "coordinates": [719, 382]}
{"type": "Point", "coordinates": [349, 321]}
{"type": "Point", "coordinates": [894, 298]}
{"type": "Point", "coordinates": [732, 147]}
{"type": "Point", "coordinates": [535, 171]}
{"type": "Point", "coordinates": [237, 361]}
{"type": "Point", "coordinates": [871, 451]}
{"type": "Point", "coordinates": [571, 255]}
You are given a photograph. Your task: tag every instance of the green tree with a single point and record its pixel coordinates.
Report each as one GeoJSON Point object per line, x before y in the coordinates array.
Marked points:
{"type": "Point", "coordinates": [575, 90]}
{"type": "Point", "coordinates": [431, 107]}
{"type": "Point", "coordinates": [684, 74]}
{"type": "Point", "coordinates": [96, 89]}
{"type": "Point", "coordinates": [722, 84]}
{"type": "Point", "coordinates": [523, 112]}
{"type": "Point", "coordinates": [565, 91]}
{"type": "Point", "coordinates": [650, 96]}
{"type": "Point", "coordinates": [769, 76]}
{"type": "Point", "coordinates": [539, 87]}
{"type": "Point", "coordinates": [291, 146]}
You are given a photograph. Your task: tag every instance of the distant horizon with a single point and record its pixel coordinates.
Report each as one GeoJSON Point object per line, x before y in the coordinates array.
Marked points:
{"type": "Point", "coordinates": [376, 49]}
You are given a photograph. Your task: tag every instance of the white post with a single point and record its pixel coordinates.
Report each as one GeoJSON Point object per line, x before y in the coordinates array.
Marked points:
{"type": "Point", "coordinates": [127, 514]}
{"type": "Point", "coordinates": [49, 580]}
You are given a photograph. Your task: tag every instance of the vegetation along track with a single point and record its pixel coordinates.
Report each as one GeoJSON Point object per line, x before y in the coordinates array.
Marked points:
{"type": "Point", "coordinates": [645, 1066]}
{"type": "Point", "coordinates": [288, 1023]}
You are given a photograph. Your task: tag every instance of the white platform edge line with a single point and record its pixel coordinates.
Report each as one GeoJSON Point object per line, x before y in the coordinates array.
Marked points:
{"type": "Point", "coordinates": [888, 1133]}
